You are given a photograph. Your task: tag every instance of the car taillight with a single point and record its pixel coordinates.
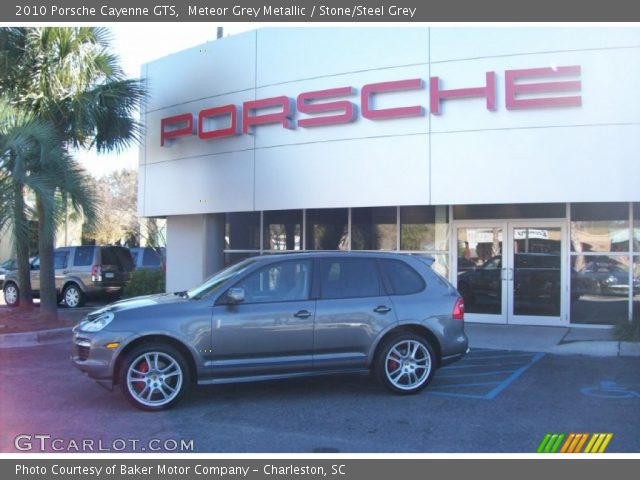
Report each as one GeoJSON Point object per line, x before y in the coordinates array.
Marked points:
{"type": "Point", "coordinates": [96, 273]}
{"type": "Point", "coordinates": [458, 309]}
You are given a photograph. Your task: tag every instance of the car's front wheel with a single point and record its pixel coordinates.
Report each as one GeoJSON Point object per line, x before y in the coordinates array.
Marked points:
{"type": "Point", "coordinates": [11, 294]}
{"type": "Point", "coordinates": [154, 377]}
{"type": "Point", "coordinates": [405, 363]}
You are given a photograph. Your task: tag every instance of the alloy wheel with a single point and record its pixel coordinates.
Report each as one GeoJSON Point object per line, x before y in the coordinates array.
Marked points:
{"type": "Point", "coordinates": [154, 379]}
{"type": "Point", "coordinates": [407, 365]}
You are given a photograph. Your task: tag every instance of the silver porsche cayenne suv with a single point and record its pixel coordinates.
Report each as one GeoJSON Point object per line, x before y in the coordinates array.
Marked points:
{"type": "Point", "coordinates": [279, 316]}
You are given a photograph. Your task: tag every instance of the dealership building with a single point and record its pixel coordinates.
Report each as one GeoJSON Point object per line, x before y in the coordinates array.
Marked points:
{"type": "Point", "coordinates": [510, 155]}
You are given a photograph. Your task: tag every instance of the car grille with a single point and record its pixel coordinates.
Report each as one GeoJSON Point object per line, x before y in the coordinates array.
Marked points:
{"type": "Point", "coordinates": [83, 347]}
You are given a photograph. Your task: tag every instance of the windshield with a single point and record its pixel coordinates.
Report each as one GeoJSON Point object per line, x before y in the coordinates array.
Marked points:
{"type": "Point", "coordinates": [214, 282]}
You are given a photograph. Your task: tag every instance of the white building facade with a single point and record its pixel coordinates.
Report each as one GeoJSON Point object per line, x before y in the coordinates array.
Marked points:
{"type": "Point", "coordinates": [511, 155]}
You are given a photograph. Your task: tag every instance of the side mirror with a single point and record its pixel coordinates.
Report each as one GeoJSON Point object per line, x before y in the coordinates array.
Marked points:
{"type": "Point", "coordinates": [235, 295]}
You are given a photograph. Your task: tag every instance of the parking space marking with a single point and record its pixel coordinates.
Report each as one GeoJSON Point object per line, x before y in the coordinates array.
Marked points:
{"type": "Point", "coordinates": [515, 365]}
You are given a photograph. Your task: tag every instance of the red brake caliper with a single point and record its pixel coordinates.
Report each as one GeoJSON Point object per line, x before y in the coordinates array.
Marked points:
{"type": "Point", "coordinates": [393, 364]}
{"type": "Point", "coordinates": [144, 368]}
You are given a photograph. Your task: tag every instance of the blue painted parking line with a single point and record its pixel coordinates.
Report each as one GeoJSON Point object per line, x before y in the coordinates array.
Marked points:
{"type": "Point", "coordinates": [465, 379]}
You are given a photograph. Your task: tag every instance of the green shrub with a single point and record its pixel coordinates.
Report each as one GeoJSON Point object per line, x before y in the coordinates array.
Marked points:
{"type": "Point", "coordinates": [627, 331]}
{"type": "Point", "coordinates": [144, 282]}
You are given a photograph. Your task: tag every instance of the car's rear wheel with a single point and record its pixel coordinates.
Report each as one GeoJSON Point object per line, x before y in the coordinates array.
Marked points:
{"type": "Point", "coordinates": [11, 294]}
{"type": "Point", "coordinates": [405, 363]}
{"type": "Point", "coordinates": [73, 296]}
{"type": "Point", "coordinates": [154, 377]}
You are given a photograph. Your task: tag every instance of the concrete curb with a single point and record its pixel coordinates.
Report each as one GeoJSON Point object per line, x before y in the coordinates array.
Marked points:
{"type": "Point", "coordinates": [34, 339]}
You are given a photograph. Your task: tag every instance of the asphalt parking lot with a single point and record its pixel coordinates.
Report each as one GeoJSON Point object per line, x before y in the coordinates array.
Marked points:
{"type": "Point", "coordinates": [492, 401]}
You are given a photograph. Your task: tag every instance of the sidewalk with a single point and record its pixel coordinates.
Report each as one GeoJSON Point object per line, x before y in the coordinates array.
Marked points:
{"type": "Point", "coordinates": [44, 337]}
{"type": "Point", "coordinates": [596, 342]}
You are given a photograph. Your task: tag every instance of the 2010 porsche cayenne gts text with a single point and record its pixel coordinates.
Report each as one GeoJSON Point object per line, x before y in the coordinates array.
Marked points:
{"type": "Point", "coordinates": [279, 316]}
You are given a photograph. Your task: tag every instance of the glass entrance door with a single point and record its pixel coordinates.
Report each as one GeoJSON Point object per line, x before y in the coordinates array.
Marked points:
{"type": "Point", "coordinates": [512, 272]}
{"type": "Point", "coordinates": [536, 273]}
{"type": "Point", "coordinates": [480, 273]}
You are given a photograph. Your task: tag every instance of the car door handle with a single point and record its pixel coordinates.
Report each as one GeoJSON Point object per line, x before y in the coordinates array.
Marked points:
{"type": "Point", "coordinates": [302, 314]}
{"type": "Point", "coordinates": [382, 309]}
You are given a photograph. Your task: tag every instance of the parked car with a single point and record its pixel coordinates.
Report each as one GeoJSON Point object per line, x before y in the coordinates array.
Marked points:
{"type": "Point", "coordinates": [605, 276]}
{"type": "Point", "coordinates": [93, 271]}
{"type": "Point", "coordinates": [5, 267]}
{"type": "Point", "coordinates": [536, 280]}
{"type": "Point", "coordinates": [279, 316]}
{"type": "Point", "coordinates": [148, 258]}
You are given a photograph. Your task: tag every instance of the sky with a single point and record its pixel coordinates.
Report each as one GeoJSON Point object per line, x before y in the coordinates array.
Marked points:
{"type": "Point", "coordinates": [137, 44]}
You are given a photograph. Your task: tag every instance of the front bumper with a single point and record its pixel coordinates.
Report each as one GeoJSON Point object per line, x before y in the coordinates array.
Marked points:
{"type": "Point", "coordinates": [91, 356]}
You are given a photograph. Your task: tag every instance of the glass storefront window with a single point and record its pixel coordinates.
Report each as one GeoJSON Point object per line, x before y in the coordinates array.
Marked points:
{"type": "Point", "coordinates": [283, 230]}
{"type": "Point", "coordinates": [636, 227]}
{"type": "Point", "coordinates": [507, 211]}
{"type": "Point", "coordinates": [374, 228]}
{"type": "Point", "coordinates": [231, 258]}
{"type": "Point", "coordinates": [327, 229]}
{"type": "Point", "coordinates": [424, 228]}
{"type": "Point", "coordinates": [441, 265]}
{"type": "Point", "coordinates": [602, 227]}
{"type": "Point", "coordinates": [599, 289]}
{"type": "Point", "coordinates": [242, 231]}
{"type": "Point", "coordinates": [636, 286]}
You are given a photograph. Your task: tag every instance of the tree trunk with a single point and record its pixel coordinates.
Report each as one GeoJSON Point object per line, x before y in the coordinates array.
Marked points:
{"type": "Point", "coordinates": [48, 293]}
{"type": "Point", "coordinates": [21, 240]}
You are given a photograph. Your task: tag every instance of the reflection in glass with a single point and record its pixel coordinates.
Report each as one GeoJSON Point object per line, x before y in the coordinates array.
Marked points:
{"type": "Point", "coordinates": [480, 269]}
{"type": "Point", "coordinates": [441, 265]}
{"type": "Point", "coordinates": [636, 287]}
{"type": "Point", "coordinates": [242, 231]}
{"type": "Point", "coordinates": [536, 272]}
{"type": "Point", "coordinates": [282, 230]}
{"type": "Point", "coordinates": [373, 228]}
{"type": "Point", "coordinates": [509, 211]}
{"type": "Point", "coordinates": [602, 227]}
{"type": "Point", "coordinates": [636, 227]}
{"type": "Point", "coordinates": [231, 258]}
{"type": "Point", "coordinates": [600, 289]}
{"type": "Point", "coordinates": [424, 228]}
{"type": "Point", "coordinates": [327, 229]}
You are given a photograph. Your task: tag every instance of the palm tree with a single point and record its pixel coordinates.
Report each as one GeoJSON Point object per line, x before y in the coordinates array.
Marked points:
{"type": "Point", "coordinates": [68, 77]}
{"type": "Point", "coordinates": [26, 144]}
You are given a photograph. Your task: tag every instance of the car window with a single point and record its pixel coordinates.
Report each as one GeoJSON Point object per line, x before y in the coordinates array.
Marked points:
{"type": "Point", "coordinates": [125, 261]}
{"type": "Point", "coordinates": [279, 282]}
{"type": "Point", "coordinates": [83, 256]}
{"type": "Point", "coordinates": [215, 281]}
{"type": "Point", "coordinates": [150, 258]}
{"type": "Point", "coordinates": [349, 277]}
{"type": "Point", "coordinates": [60, 260]}
{"type": "Point", "coordinates": [108, 257]}
{"type": "Point", "coordinates": [401, 278]}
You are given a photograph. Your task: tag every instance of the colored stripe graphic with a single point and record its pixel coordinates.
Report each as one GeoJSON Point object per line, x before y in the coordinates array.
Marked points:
{"type": "Point", "coordinates": [598, 442]}
{"type": "Point", "coordinates": [574, 442]}
{"type": "Point", "coordinates": [550, 443]}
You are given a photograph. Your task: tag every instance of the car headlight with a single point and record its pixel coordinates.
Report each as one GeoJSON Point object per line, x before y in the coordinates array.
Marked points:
{"type": "Point", "coordinates": [98, 323]}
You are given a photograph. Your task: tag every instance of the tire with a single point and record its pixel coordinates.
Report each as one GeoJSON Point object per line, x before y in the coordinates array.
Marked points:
{"type": "Point", "coordinates": [154, 376]}
{"type": "Point", "coordinates": [11, 294]}
{"type": "Point", "coordinates": [405, 363]}
{"type": "Point", "coordinates": [73, 296]}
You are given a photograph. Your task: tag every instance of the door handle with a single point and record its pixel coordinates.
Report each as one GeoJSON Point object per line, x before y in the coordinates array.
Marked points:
{"type": "Point", "coordinates": [302, 314]}
{"type": "Point", "coordinates": [382, 309]}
